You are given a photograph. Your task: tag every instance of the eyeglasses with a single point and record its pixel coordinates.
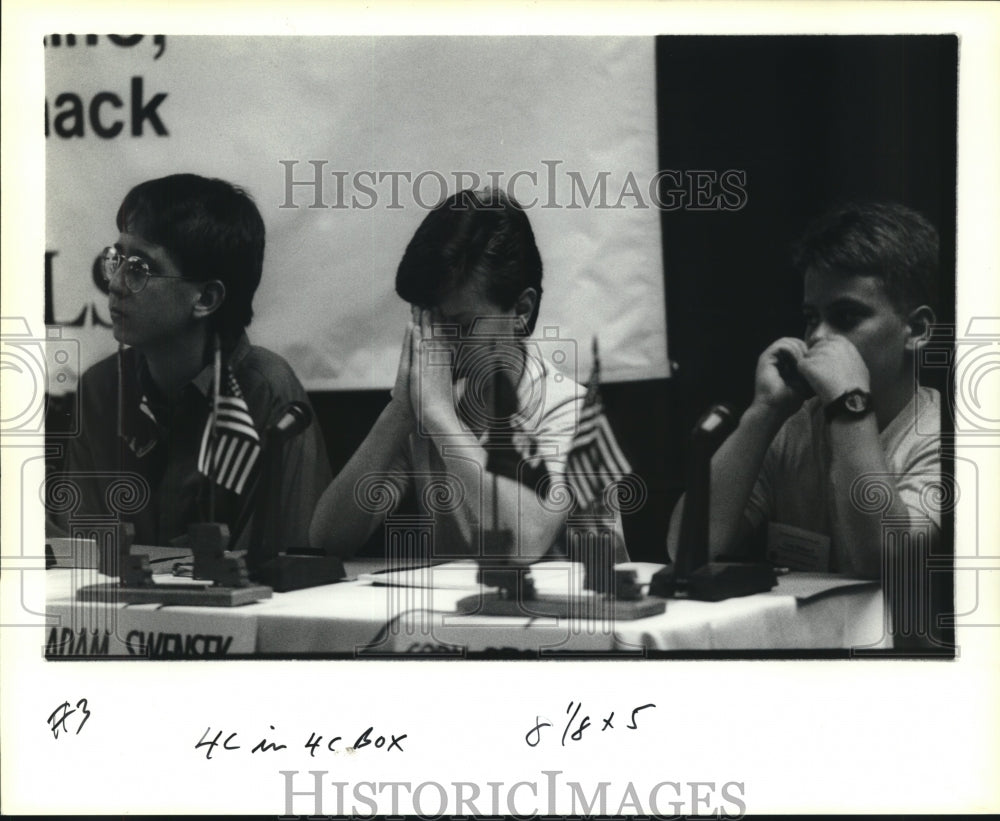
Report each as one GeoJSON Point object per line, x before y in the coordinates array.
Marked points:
{"type": "Point", "coordinates": [137, 270]}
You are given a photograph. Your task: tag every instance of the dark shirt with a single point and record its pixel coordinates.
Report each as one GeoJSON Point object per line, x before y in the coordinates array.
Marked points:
{"type": "Point", "coordinates": [164, 453]}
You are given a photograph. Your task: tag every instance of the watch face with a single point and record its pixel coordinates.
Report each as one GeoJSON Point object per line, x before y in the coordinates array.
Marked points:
{"type": "Point", "coordinates": [853, 404]}
{"type": "Point", "coordinates": [856, 402]}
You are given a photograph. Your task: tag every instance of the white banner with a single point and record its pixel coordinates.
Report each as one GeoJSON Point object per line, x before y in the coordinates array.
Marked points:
{"type": "Point", "coordinates": [345, 142]}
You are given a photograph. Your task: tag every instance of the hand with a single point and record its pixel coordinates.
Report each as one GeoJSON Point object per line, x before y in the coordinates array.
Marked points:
{"type": "Point", "coordinates": [833, 367]}
{"type": "Point", "coordinates": [401, 389]}
{"type": "Point", "coordinates": [432, 390]}
{"type": "Point", "coordinates": [771, 389]}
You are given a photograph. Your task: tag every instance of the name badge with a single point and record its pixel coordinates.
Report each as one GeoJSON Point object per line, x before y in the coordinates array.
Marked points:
{"type": "Point", "coordinates": [797, 548]}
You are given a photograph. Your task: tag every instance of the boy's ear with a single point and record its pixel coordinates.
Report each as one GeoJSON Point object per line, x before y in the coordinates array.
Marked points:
{"type": "Point", "coordinates": [212, 295]}
{"type": "Point", "coordinates": [525, 307]}
{"type": "Point", "coordinates": [919, 323]}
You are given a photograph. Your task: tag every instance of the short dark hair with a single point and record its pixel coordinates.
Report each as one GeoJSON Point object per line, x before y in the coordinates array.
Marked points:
{"type": "Point", "coordinates": [211, 229]}
{"type": "Point", "coordinates": [472, 234]}
{"type": "Point", "coordinates": [884, 240]}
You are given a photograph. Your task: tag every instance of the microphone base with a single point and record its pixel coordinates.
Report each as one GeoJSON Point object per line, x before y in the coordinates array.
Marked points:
{"type": "Point", "coordinates": [717, 581]}
{"type": "Point", "coordinates": [586, 605]}
{"type": "Point", "coordinates": [664, 582]}
{"type": "Point", "coordinates": [285, 572]}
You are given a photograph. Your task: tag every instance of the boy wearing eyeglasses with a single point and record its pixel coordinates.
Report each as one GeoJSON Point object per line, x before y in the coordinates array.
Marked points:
{"type": "Point", "coordinates": [181, 411]}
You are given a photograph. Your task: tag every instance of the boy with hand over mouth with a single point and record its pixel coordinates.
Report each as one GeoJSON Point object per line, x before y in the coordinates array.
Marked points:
{"type": "Point", "coordinates": [799, 463]}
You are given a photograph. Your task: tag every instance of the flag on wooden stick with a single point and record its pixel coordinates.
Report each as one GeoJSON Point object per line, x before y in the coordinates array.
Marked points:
{"type": "Point", "coordinates": [595, 460]}
{"type": "Point", "coordinates": [230, 445]}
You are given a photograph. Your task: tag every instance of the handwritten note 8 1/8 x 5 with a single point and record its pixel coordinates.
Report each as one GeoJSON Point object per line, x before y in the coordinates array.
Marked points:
{"type": "Point", "coordinates": [534, 736]}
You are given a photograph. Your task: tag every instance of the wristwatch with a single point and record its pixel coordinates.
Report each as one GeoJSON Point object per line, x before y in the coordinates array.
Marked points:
{"type": "Point", "coordinates": [854, 404]}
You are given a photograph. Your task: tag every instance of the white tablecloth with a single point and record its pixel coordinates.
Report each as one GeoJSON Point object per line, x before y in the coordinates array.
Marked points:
{"type": "Point", "coordinates": [801, 613]}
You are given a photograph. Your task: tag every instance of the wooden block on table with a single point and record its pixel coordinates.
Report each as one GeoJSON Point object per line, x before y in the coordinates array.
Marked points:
{"type": "Point", "coordinates": [175, 594]}
{"type": "Point", "coordinates": [586, 605]}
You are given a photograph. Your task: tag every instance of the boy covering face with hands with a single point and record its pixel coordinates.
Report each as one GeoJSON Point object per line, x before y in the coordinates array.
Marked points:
{"type": "Point", "coordinates": [479, 426]}
{"type": "Point", "coordinates": [840, 406]}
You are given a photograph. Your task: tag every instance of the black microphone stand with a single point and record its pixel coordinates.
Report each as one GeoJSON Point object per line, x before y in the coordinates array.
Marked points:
{"type": "Point", "coordinates": [497, 566]}
{"type": "Point", "coordinates": [296, 567]}
{"type": "Point", "coordinates": [693, 573]}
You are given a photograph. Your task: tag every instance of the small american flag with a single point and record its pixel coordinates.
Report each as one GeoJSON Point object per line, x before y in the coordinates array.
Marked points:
{"type": "Point", "coordinates": [230, 445]}
{"type": "Point", "coordinates": [595, 460]}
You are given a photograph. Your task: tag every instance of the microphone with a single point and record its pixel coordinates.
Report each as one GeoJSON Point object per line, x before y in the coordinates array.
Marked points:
{"type": "Point", "coordinates": [296, 417]}
{"type": "Point", "coordinates": [283, 567]}
{"type": "Point", "coordinates": [716, 424]}
{"type": "Point", "coordinates": [693, 574]}
{"type": "Point", "coordinates": [708, 434]}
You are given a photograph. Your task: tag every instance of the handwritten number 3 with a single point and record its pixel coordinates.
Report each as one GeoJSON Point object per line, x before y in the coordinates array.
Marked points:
{"type": "Point", "coordinates": [82, 705]}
